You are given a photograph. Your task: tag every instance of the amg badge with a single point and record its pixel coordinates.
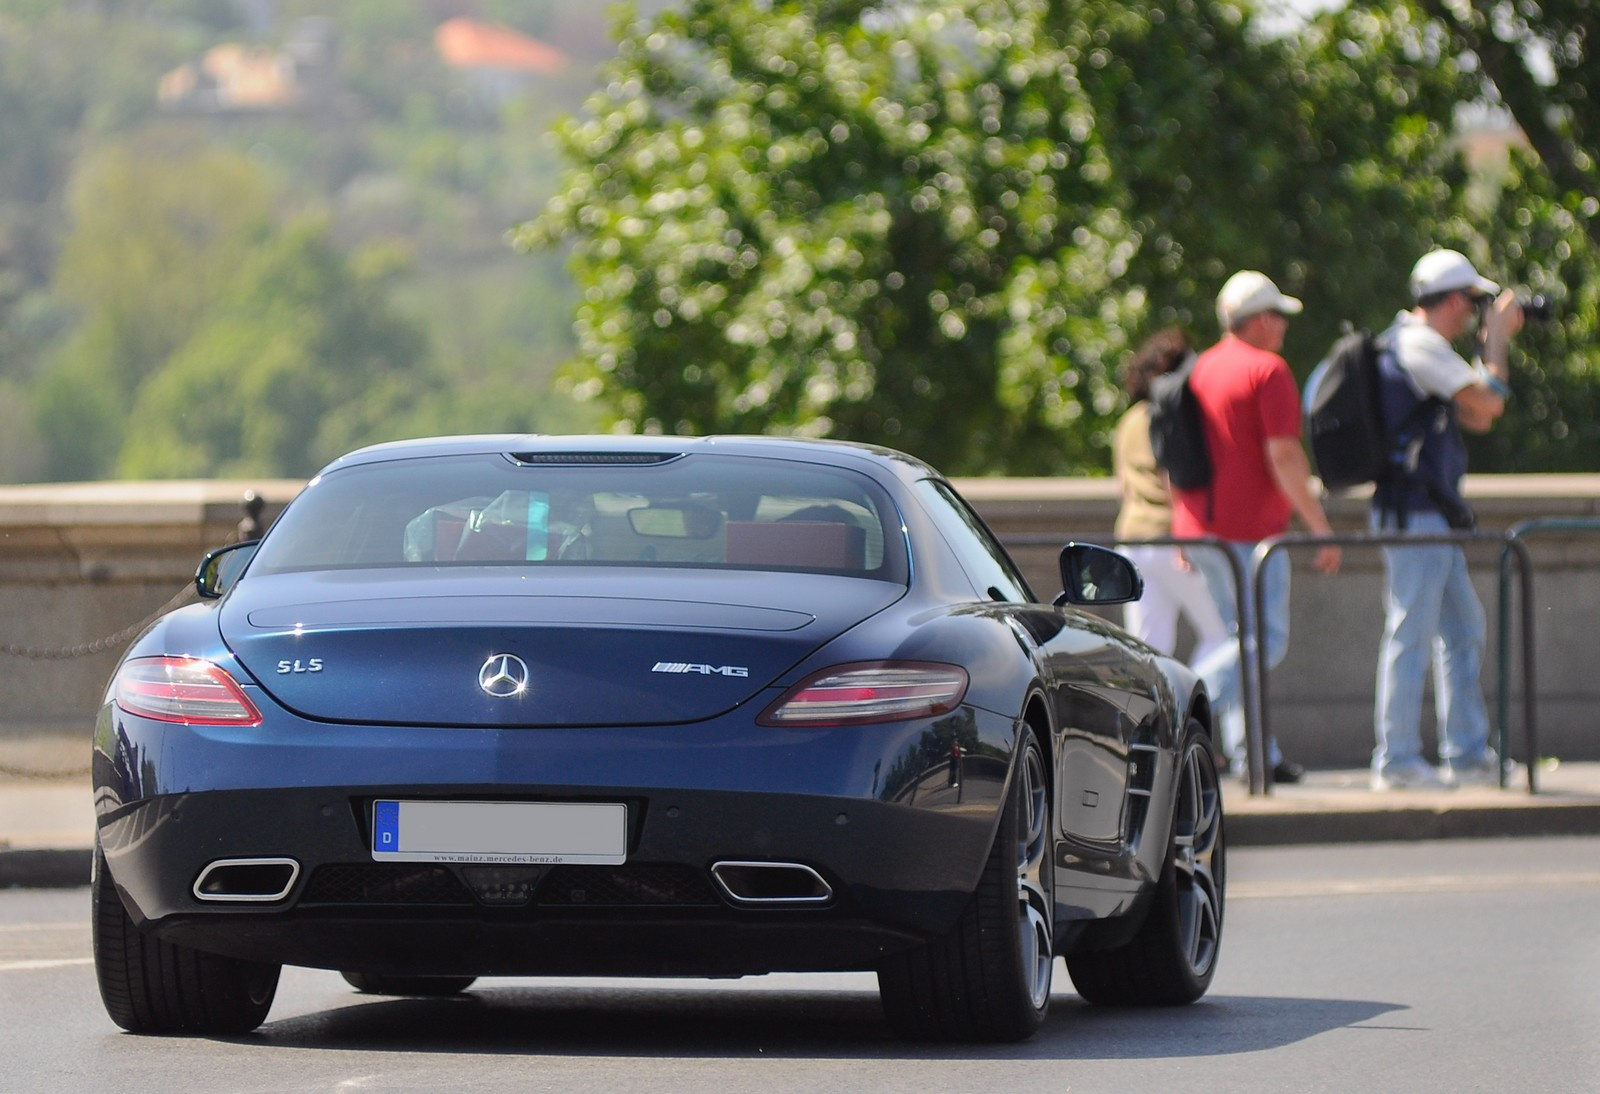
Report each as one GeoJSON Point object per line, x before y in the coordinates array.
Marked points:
{"type": "Point", "coordinates": [703, 670]}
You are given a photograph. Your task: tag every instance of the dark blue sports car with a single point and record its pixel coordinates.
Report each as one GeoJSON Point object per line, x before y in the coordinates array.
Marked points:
{"type": "Point", "coordinates": [518, 705]}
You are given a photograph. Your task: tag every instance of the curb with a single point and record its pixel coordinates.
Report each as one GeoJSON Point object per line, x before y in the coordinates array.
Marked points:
{"type": "Point", "coordinates": [1495, 822]}
{"type": "Point", "coordinates": [43, 869]}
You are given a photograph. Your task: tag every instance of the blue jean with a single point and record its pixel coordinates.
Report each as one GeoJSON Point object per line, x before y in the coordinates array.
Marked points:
{"type": "Point", "coordinates": [1431, 614]}
{"type": "Point", "coordinates": [1221, 670]}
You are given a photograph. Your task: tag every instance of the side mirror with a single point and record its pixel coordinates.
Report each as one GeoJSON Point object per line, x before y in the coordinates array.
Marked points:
{"type": "Point", "coordinates": [1096, 575]}
{"type": "Point", "coordinates": [222, 567]}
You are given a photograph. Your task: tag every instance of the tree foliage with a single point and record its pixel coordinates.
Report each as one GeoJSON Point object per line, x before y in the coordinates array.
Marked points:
{"type": "Point", "coordinates": [1535, 223]}
{"type": "Point", "coordinates": [940, 224]}
{"type": "Point", "coordinates": [1538, 61]}
{"type": "Point", "coordinates": [933, 223]}
{"type": "Point", "coordinates": [300, 360]}
{"type": "Point", "coordinates": [153, 242]}
{"type": "Point", "coordinates": [897, 224]}
{"type": "Point", "coordinates": [1324, 159]}
{"type": "Point", "coordinates": [126, 225]}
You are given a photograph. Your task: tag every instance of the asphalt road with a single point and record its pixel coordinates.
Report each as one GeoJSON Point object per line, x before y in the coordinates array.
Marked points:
{"type": "Point", "coordinates": [1446, 966]}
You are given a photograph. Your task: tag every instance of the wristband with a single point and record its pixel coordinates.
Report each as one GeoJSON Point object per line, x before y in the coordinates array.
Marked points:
{"type": "Point", "coordinates": [1496, 385]}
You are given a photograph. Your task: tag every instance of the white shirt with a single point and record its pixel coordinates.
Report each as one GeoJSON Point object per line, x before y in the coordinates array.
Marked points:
{"type": "Point", "coordinates": [1427, 357]}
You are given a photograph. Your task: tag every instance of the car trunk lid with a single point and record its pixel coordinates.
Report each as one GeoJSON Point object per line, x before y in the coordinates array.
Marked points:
{"type": "Point", "coordinates": [582, 649]}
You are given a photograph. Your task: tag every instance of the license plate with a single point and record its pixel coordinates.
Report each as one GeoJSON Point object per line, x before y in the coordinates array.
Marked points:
{"type": "Point", "coordinates": [595, 833]}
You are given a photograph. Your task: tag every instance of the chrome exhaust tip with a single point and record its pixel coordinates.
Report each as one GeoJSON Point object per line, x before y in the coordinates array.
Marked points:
{"type": "Point", "coordinates": [246, 879]}
{"type": "Point", "coordinates": [769, 884]}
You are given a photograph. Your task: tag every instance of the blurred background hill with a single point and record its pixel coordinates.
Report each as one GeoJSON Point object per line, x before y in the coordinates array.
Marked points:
{"type": "Point", "coordinates": [239, 237]}
{"type": "Point", "coordinates": [265, 230]}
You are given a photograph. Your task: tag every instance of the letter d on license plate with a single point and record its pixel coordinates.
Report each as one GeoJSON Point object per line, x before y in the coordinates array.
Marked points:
{"type": "Point", "coordinates": [511, 832]}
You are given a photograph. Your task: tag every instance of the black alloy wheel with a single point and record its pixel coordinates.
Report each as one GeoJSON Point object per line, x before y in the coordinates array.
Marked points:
{"type": "Point", "coordinates": [989, 980]}
{"type": "Point", "coordinates": [1173, 957]}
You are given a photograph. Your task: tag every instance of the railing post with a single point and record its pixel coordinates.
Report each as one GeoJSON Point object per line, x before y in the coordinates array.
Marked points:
{"type": "Point", "coordinates": [252, 504]}
{"type": "Point", "coordinates": [1516, 543]}
{"type": "Point", "coordinates": [1503, 667]}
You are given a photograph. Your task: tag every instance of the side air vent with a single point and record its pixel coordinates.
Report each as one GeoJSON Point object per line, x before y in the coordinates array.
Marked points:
{"type": "Point", "coordinates": [593, 459]}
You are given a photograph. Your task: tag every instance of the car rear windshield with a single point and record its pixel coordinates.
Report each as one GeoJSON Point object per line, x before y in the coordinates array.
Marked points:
{"type": "Point", "coordinates": [504, 510]}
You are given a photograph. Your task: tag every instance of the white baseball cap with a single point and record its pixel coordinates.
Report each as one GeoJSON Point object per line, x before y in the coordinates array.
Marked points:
{"type": "Point", "coordinates": [1446, 271]}
{"type": "Point", "coordinates": [1249, 292]}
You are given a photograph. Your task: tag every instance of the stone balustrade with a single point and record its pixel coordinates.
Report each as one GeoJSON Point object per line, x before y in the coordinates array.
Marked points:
{"type": "Point", "coordinates": [83, 566]}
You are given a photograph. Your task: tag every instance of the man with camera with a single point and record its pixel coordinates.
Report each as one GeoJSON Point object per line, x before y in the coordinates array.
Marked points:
{"type": "Point", "coordinates": [1430, 393]}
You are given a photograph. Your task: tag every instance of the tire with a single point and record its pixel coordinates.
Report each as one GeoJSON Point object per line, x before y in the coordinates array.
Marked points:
{"type": "Point", "coordinates": [1172, 958]}
{"type": "Point", "coordinates": [151, 986]}
{"type": "Point", "coordinates": [376, 984]}
{"type": "Point", "coordinates": [989, 980]}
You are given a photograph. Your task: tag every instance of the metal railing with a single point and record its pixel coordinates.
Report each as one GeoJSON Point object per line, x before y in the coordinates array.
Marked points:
{"type": "Point", "coordinates": [1516, 541]}
{"type": "Point", "coordinates": [1257, 718]}
{"type": "Point", "coordinates": [1253, 654]}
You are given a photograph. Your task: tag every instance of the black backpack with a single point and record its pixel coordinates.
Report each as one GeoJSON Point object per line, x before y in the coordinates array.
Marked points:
{"type": "Point", "coordinates": [1177, 432]}
{"type": "Point", "coordinates": [1344, 418]}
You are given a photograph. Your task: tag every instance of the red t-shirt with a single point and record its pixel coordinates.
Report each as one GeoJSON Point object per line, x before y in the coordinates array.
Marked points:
{"type": "Point", "coordinates": [1246, 395]}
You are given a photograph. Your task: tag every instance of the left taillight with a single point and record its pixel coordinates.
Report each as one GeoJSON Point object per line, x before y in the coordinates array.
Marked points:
{"type": "Point", "coordinates": [879, 691]}
{"type": "Point", "coordinates": [183, 689]}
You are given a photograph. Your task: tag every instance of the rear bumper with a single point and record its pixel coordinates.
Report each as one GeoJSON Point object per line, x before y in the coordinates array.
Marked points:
{"type": "Point", "coordinates": [639, 943]}
{"type": "Point", "coordinates": [873, 813]}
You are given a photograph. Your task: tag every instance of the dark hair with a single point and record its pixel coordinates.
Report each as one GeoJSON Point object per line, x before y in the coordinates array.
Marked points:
{"type": "Point", "coordinates": [1157, 355]}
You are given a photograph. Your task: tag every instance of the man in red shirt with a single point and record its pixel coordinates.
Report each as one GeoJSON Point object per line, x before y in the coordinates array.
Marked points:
{"type": "Point", "coordinates": [1260, 475]}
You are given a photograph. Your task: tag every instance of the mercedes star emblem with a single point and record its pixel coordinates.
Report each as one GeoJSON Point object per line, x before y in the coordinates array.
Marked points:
{"type": "Point", "coordinates": [504, 675]}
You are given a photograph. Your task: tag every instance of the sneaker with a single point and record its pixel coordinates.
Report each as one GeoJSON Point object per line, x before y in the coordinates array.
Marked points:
{"type": "Point", "coordinates": [1486, 773]}
{"type": "Point", "coordinates": [1410, 775]}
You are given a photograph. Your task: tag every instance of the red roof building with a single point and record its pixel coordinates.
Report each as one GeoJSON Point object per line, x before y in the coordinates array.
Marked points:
{"type": "Point", "coordinates": [469, 44]}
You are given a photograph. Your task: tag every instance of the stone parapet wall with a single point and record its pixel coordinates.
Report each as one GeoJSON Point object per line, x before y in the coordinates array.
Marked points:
{"type": "Point", "coordinates": [81, 564]}
{"type": "Point", "coordinates": [82, 567]}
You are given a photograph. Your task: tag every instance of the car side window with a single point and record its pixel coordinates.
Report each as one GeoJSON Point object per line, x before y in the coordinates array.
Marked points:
{"type": "Point", "coordinates": [984, 560]}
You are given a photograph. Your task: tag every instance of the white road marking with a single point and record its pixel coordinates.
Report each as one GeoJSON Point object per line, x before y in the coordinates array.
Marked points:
{"type": "Point", "coordinates": [6, 927]}
{"type": "Point", "coordinates": [1426, 883]}
{"type": "Point", "coordinates": [59, 963]}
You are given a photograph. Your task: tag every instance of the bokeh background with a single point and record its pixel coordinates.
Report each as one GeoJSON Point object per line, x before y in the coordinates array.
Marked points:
{"type": "Point", "coordinates": [238, 237]}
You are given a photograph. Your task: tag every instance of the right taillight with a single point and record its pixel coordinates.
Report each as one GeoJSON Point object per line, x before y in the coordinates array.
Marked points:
{"type": "Point", "coordinates": [877, 691]}
{"type": "Point", "coordinates": [183, 689]}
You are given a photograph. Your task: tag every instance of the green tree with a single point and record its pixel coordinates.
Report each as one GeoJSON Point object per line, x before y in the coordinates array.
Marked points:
{"type": "Point", "coordinates": [1534, 238]}
{"type": "Point", "coordinates": [302, 359]}
{"type": "Point", "coordinates": [155, 239]}
{"type": "Point", "coordinates": [940, 225]}
{"type": "Point", "coordinates": [1536, 223]}
{"type": "Point", "coordinates": [895, 224]}
{"type": "Point", "coordinates": [1326, 159]}
{"type": "Point", "coordinates": [1538, 61]}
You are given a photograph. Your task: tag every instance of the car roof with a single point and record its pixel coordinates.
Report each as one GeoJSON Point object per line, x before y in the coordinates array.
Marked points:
{"type": "Point", "coordinates": [896, 463]}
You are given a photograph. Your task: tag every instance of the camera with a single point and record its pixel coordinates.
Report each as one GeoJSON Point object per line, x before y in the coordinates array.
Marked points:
{"type": "Point", "coordinates": [1536, 308]}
